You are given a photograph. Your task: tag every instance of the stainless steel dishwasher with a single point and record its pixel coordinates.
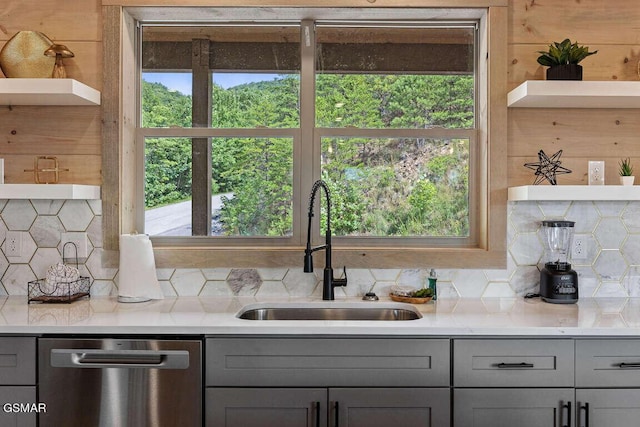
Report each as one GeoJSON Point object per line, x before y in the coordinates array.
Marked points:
{"type": "Point", "coordinates": [120, 382]}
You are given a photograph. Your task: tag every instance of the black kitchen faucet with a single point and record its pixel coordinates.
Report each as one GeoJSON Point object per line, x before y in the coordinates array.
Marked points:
{"type": "Point", "coordinates": [328, 281]}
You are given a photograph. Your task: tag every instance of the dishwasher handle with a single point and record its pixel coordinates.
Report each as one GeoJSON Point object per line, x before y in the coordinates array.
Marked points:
{"type": "Point", "coordinates": [93, 358]}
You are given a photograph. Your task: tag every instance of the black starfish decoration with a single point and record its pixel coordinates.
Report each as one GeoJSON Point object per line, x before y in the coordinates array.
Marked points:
{"type": "Point", "coordinates": [547, 168]}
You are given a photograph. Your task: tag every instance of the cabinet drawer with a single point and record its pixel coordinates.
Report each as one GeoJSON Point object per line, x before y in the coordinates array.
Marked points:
{"type": "Point", "coordinates": [325, 362]}
{"type": "Point", "coordinates": [16, 416]}
{"type": "Point", "coordinates": [17, 360]}
{"type": "Point", "coordinates": [608, 363]}
{"type": "Point", "coordinates": [513, 363]}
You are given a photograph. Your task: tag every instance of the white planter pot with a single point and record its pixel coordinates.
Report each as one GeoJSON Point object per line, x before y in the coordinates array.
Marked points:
{"type": "Point", "coordinates": [627, 180]}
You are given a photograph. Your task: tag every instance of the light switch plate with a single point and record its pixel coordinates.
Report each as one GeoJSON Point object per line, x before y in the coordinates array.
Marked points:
{"type": "Point", "coordinates": [596, 172]}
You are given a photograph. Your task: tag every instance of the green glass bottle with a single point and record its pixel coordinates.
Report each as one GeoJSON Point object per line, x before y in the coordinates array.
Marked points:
{"type": "Point", "coordinates": [432, 284]}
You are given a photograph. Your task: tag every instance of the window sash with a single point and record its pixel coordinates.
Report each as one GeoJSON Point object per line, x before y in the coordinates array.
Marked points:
{"type": "Point", "coordinates": [434, 133]}
{"type": "Point", "coordinates": [312, 163]}
{"type": "Point", "coordinates": [293, 134]}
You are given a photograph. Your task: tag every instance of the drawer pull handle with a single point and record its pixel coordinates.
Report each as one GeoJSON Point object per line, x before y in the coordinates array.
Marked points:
{"type": "Point", "coordinates": [585, 408]}
{"type": "Point", "coordinates": [514, 365]}
{"type": "Point", "coordinates": [337, 415]}
{"type": "Point", "coordinates": [568, 406]}
{"type": "Point", "coordinates": [629, 365]}
{"type": "Point", "coordinates": [317, 405]}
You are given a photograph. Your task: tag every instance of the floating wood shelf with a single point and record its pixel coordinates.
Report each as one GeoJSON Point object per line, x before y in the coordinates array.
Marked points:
{"type": "Point", "coordinates": [575, 94]}
{"type": "Point", "coordinates": [574, 192]}
{"type": "Point", "coordinates": [49, 191]}
{"type": "Point", "coordinates": [46, 92]}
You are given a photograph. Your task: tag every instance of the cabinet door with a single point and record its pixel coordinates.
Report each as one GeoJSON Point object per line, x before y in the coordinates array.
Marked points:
{"type": "Point", "coordinates": [543, 407]}
{"type": "Point", "coordinates": [252, 407]}
{"type": "Point", "coordinates": [371, 407]}
{"type": "Point", "coordinates": [17, 360]}
{"type": "Point", "coordinates": [611, 408]}
{"type": "Point", "coordinates": [15, 415]}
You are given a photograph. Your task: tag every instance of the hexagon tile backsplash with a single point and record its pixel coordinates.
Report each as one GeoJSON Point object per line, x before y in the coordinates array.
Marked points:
{"type": "Point", "coordinates": [610, 267]}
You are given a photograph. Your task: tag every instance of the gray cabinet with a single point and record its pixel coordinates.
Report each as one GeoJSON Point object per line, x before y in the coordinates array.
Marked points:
{"type": "Point", "coordinates": [327, 362]}
{"type": "Point", "coordinates": [259, 407]}
{"type": "Point", "coordinates": [356, 407]}
{"type": "Point", "coordinates": [309, 381]}
{"type": "Point", "coordinates": [306, 407]}
{"type": "Point", "coordinates": [513, 382]}
{"type": "Point", "coordinates": [513, 363]}
{"type": "Point", "coordinates": [609, 408]}
{"type": "Point", "coordinates": [18, 381]}
{"type": "Point", "coordinates": [608, 382]}
{"type": "Point", "coordinates": [535, 407]}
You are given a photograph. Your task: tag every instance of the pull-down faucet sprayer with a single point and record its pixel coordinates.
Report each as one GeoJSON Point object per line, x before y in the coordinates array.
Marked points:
{"type": "Point", "coordinates": [328, 281]}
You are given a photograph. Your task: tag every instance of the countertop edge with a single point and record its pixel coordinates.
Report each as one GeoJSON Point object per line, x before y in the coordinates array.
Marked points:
{"type": "Point", "coordinates": [210, 316]}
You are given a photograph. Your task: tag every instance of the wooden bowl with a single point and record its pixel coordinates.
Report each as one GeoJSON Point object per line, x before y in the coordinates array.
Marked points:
{"type": "Point", "coordinates": [410, 300]}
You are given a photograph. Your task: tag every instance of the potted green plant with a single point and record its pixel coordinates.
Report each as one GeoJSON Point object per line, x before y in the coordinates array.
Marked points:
{"type": "Point", "coordinates": [626, 172]}
{"type": "Point", "coordinates": [563, 58]}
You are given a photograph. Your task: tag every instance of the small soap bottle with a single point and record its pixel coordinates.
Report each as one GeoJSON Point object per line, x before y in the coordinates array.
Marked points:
{"type": "Point", "coordinates": [432, 284]}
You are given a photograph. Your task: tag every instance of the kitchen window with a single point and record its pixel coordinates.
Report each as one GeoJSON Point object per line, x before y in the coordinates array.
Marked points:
{"type": "Point", "coordinates": [391, 112]}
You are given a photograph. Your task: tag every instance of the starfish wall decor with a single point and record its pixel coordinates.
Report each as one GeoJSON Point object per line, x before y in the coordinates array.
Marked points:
{"type": "Point", "coordinates": [547, 168]}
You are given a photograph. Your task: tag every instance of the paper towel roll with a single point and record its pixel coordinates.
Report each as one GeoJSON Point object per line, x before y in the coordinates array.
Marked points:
{"type": "Point", "coordinates": [138, 281]}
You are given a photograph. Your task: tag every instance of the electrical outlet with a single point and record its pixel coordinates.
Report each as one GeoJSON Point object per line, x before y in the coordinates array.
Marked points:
{"type": "Point", "coordinates": [80, 240]}
{"type": "Point", "coordinates": [579, 250]}
{"type": "Point", "coordinates": [596, 172]}
{"type": "Point", "coordinates": [13, 244]}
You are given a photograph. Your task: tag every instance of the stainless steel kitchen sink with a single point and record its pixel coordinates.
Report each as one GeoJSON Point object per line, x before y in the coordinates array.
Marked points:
{"type": "Point", "coordinates": [330, 311]}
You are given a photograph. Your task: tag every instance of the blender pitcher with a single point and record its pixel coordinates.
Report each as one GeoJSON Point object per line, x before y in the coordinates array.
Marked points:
{"type": "Point", "coordinates": [558, 282]}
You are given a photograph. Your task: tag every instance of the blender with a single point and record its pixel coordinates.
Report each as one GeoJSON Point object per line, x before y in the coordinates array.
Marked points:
{"type": "Point", "coordinates": [558, 282]}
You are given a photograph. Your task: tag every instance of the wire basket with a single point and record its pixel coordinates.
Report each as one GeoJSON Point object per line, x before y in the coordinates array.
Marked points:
{"type": "Point", "coordinates": [61, 291]}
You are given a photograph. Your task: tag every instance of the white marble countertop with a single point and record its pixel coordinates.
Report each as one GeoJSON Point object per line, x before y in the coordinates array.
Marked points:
{"type": "Point", "coordinates": [217, 315]}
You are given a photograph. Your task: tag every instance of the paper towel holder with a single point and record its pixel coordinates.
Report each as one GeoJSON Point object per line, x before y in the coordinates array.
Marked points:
{"type": "Point", "coordinates": [139, 272]}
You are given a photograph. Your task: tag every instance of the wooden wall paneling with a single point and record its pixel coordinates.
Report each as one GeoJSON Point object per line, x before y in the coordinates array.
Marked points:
{"type": "Point", "coordinates": [606, 132]}
{"type": "Point", "coordinates": [83, 169]}
{"type": "Point", "coordinates": [582, 134]}
{"type": "Point", "coordinates": [58, 19]}
{"type": "Point", "coordinates": [587, 21]}
{"type": "Point", "coordinates": [50, 130]}
{"type": "Point", "coordinates": [519, 175]}
{"type": "Point", "coordinates": [619, 62]}
{"type": "Point", "coordinates": [86, 66]}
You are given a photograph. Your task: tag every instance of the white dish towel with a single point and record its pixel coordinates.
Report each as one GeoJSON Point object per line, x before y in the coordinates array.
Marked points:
{"type": "Point", "coordinates": [138, 281]}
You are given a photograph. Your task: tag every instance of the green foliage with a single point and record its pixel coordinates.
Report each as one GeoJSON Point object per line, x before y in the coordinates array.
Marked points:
{"type": "Point", "coordinates": [262, 187]}
{"type": "Point", "coordinates": [168, 160]}
{"type": "Point", "coordinates": [379, 186]}
{"type": "Point", "coordinates": [625, 167]}
{"type": "Point", "coordinates": [563, 53]}
{"type": "Point", "coordinates": [168, 170]}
